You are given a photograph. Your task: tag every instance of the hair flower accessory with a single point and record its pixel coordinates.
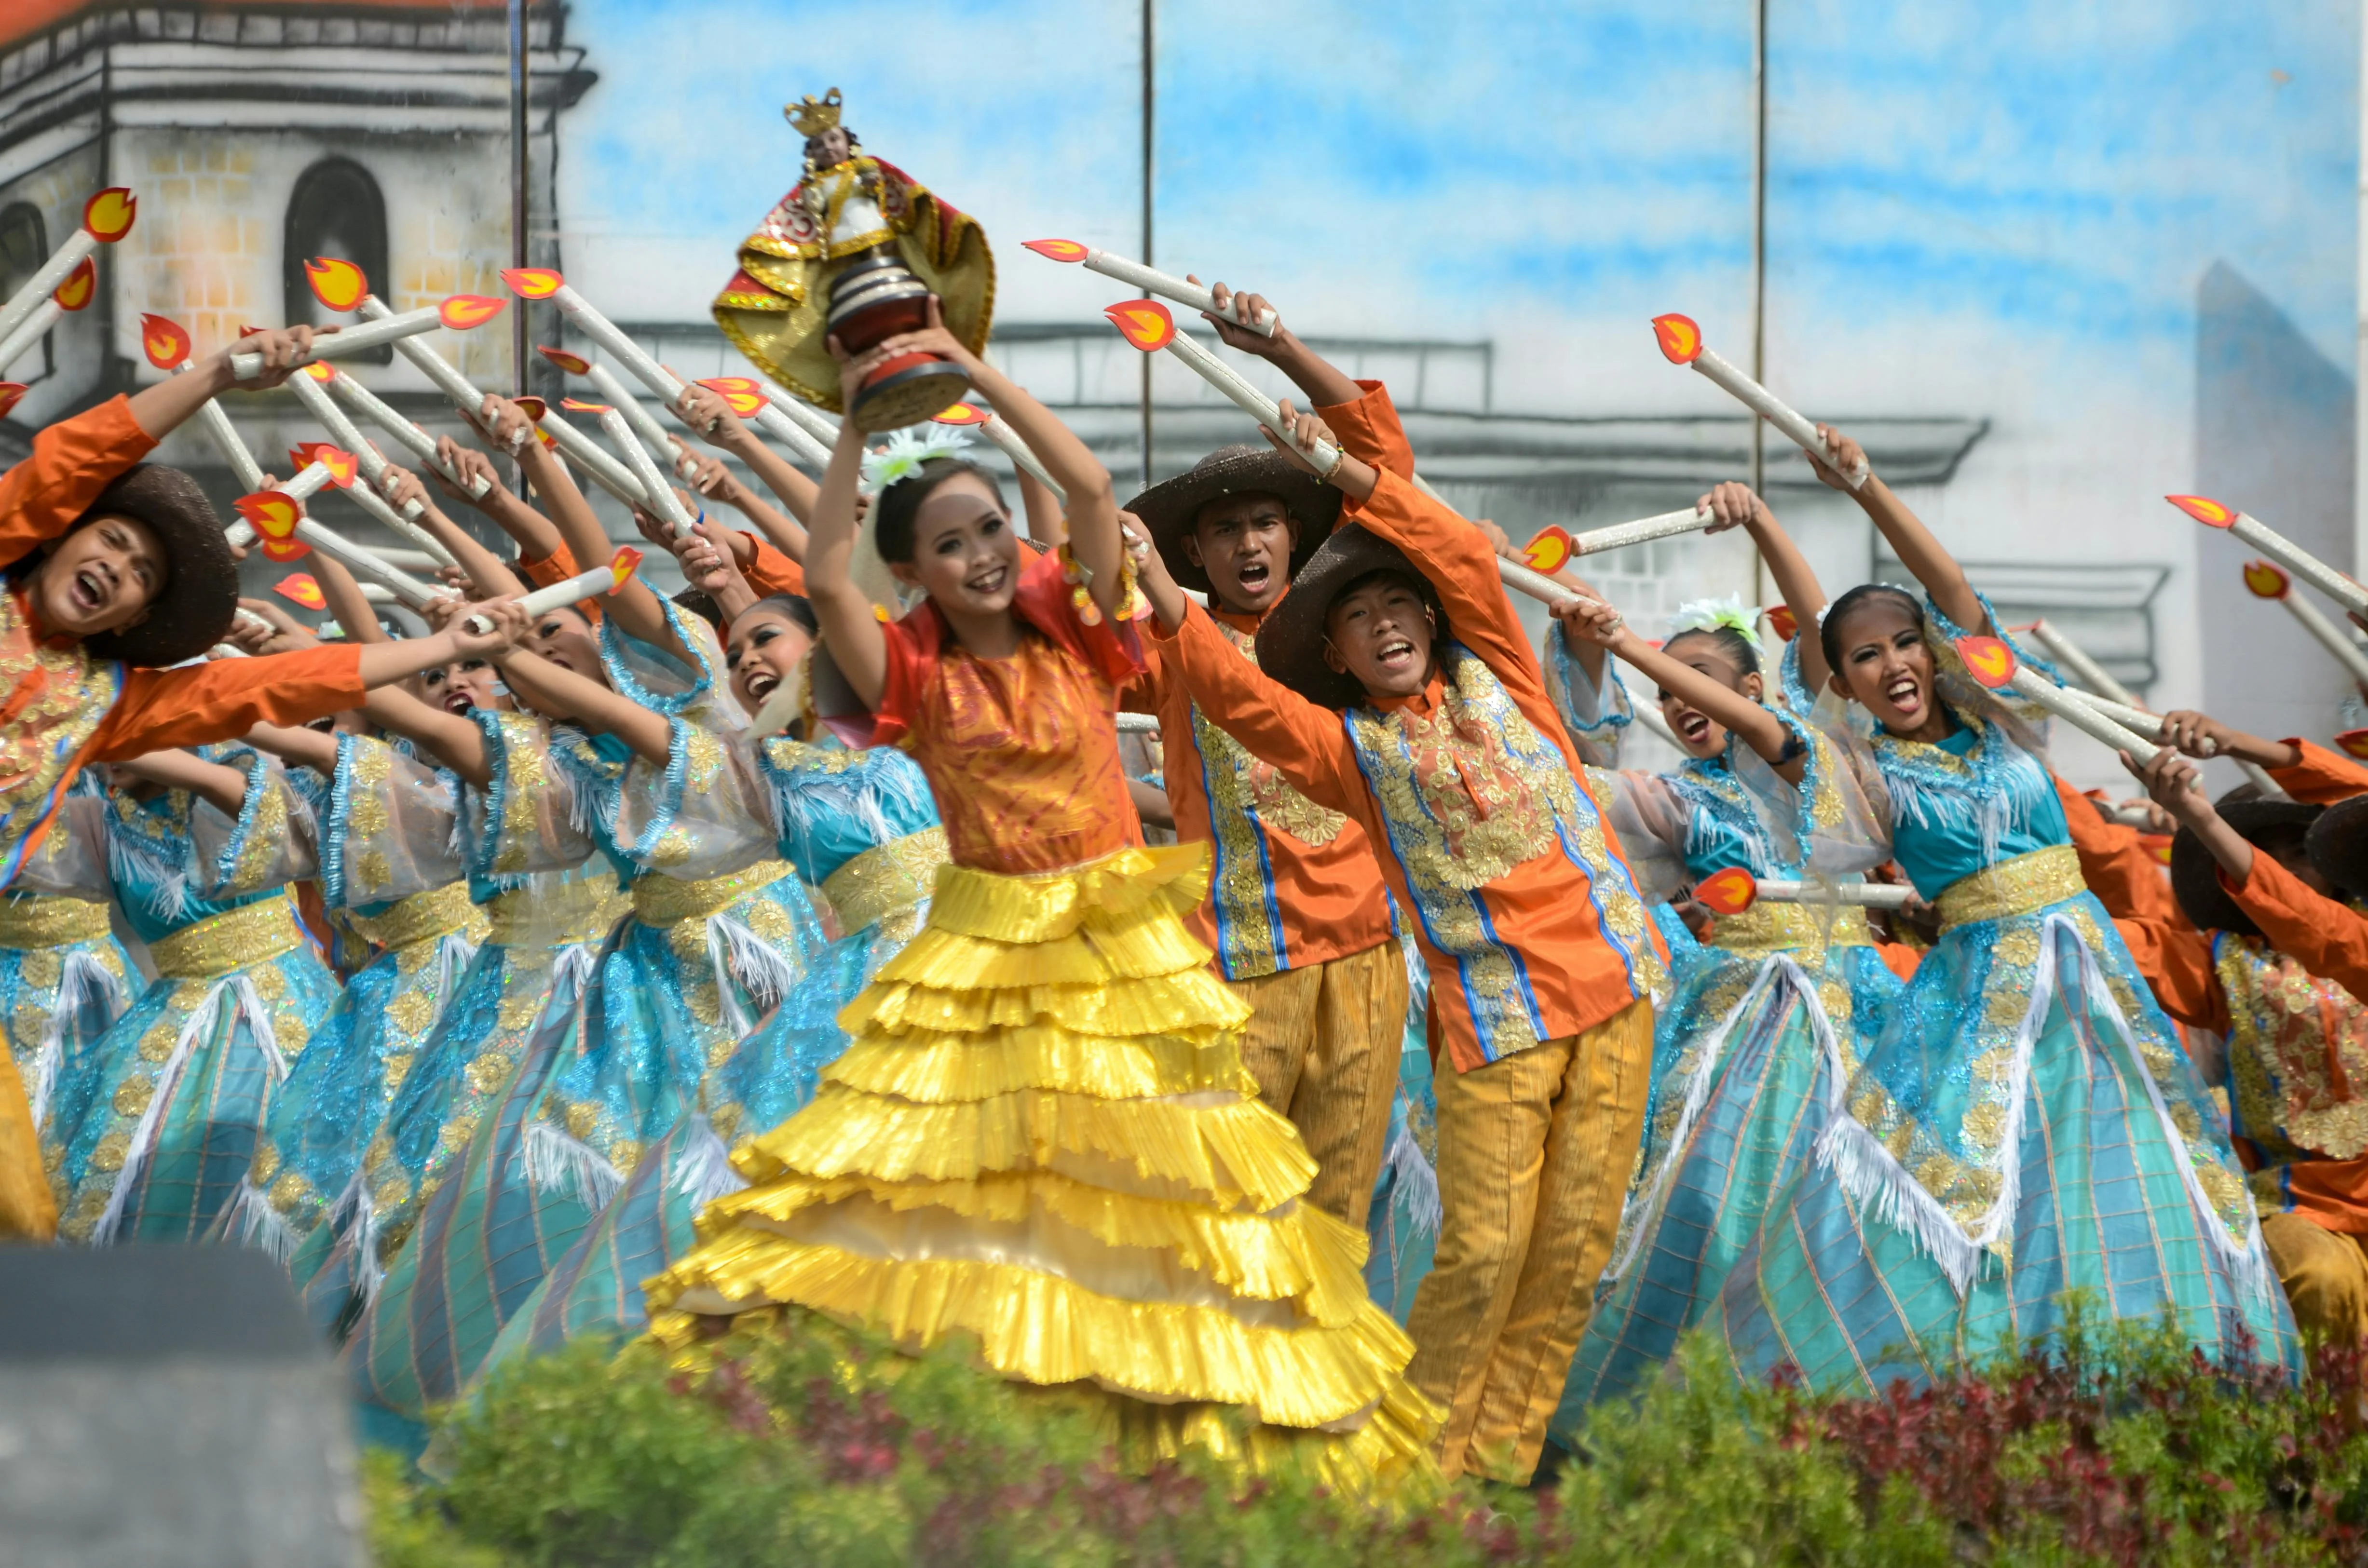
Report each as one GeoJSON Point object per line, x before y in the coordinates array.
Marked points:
{"type": "Point", "coordinates": [904, 454]}
{"type": "Point", "coordinates": [1710, 614]}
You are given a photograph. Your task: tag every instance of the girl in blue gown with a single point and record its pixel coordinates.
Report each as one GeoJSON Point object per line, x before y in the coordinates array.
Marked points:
{"type": "Point", "coordinates": [64, 975]}
{"type": "Point", "coordinates": [2025, 1126]}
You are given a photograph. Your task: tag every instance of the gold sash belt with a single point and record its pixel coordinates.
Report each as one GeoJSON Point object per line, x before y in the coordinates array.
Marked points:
{"type": "Point", "coordinates": [1780, 928]}
{"type": "Point", "coordinates": [669, 901]}
{"type": "Point", "coordinates": [220, 943]}
{"type": "Point", "coordinates": [2024, 885]}
{"type": "Point", "coordinates": [880, 881]}
{"type": "Point", "coordinates": [422, 917]}
{"type": "Point", "coordinates": [555, 915]}
{"type": "Point", "coordinates": [32, 921]}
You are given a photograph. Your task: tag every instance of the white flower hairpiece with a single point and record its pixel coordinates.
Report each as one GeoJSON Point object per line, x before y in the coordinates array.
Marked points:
{"type": "Point", "coordinates": [1706, 615]}
{"type": "Point", "coordinates": [905, 453]}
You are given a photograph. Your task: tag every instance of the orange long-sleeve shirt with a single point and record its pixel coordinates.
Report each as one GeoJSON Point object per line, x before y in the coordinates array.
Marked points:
{"type": "Point", "coordinates": [2327, 938]}
{"type": "Point", "coordinates": [2126, 880]}
{"type": "Point", "coordinates": [1553, 943]}
{"type": "Point", "coordinates": [2321, 777]}
{"type": "Point", "coordinates": [59, 709]}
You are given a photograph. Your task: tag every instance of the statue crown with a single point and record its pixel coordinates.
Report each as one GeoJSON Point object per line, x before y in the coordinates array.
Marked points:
{"type": "Point", "coordinates": [813, 116]}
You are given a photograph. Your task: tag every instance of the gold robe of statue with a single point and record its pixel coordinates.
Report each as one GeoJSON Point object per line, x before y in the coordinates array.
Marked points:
{"type": "Point", "coordinates": [775, 306]}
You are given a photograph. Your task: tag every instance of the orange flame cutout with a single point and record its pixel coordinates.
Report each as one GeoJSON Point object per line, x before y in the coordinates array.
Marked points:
{"type": "Point", "coordinates": [578, 405]}
{"type": "Point", "coordinates": [1548, 551]}
{"type": "Point", "coordinates": [340, 464]}
{"type": "Point", "coordinates": [320, 371]}
{"type": "Point", "coordinates": [623, 564]}
{"type": "Point", "coordinates": [167, 341]}
{"type": "Point", "coordinates": [2157, 844]}
{"type": "Point", "coordinates": [462, 311]}
{"type": "Point", "coordinates": [273, 515]}
{"type": "Point", "coordinates": [1728, 892]}
{"type": "Point", "coordinates": [744, 396]}
{"type": "Point", "coordinates": [963, 413]}
{"type": "Point", "coordinates": [1681, 340]}
{"type": "Point", "coordinates": [2267, 580]}
{"type": "Point", "coordinates": [252, 331]}
{"type": "Point", "coordinates": [533, 282]}
{"type": "Point", "coordinates": [9, 393]}
{"type": "Point", "coordinates": [574, 364]}
{"type": "Point", "coordinates": [1782, 621]}
{"type": "Point", "coordinates": [2203, 509]}
{"type": "Point", "coordinates": [545, 437]}
{"type": "Point", "coordinates": [337, 283]}
{"type": "Point", "coordinates": [533, 407]}
{"type": "Point", "coordinates": [300, 587]}
{"type": "Point", "coordinates": [2354, 742]}
{"type": "Point", "coordinates": [80, 284]}
{"type": "Point", "coordinates": [284, 550]}
{"type": "Point", "coordinates": [108, 215]}
{"type": "Point", "coordinates": [1144, 322]}
{"type": "Point", "coordinates": [1058, 250]}
{"type": "Point", "coordinates": [1987, 660]}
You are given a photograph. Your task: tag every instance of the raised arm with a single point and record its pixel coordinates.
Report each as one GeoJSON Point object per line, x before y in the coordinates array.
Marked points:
{"type": "Point", "coordinates": [592, 705]}
{"type": "Point", "coordinates": [1323, 383]}
{"type": "Point", "coordinates": [224, 788]}
{"type": "Point", "coordinates": [841, 608]}
{"type": "Point", "coordinates": [1917, 549]}
{"type": "Point", "coordinates": [715, 483]}
{"type": "Point", "coordinates": [304, 748]}
{"type": "Point", "coordinates": [708, 566]}
{"type": "Point", "coordinates": [1796, 578]}
{"type": "Point", "coordinates": [706, 411]}
{"type": "Point", "coordinates": [454, 741]}
{"type": "Point", "coordinates": [1595, 621]}
{"type": "Point", "coordinates": [488, 573]}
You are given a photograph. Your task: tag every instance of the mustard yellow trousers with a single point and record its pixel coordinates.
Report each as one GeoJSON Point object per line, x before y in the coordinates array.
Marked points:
{"type": "Point", "coordinates": [2325, 1273]}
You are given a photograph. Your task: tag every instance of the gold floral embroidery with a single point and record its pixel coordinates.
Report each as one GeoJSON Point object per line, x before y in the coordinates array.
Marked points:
{"type": "Point", "coordinates": [2297, 1055]}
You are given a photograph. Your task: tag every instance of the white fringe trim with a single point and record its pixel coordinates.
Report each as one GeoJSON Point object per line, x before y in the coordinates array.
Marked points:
{"type": "Point", "coordinates": [1411, 1171]}
{"type": "Point", "coordinates": [1776, 969]}
{"type": "Point", "coordinates": [244, 1000]}
{"type": "Point", "coordinates": [704, 1173]}
{"type": "Point", "coordinates": [82, 981]}
{"type": "Point", "coordinates": [556, 1162]}
{"type": "Point", "coordinates": [1876, 1180]}
{"type": "Point", "coordinates": [252, 1222]}
{"type": "Point", "coordinates": [742, 961]}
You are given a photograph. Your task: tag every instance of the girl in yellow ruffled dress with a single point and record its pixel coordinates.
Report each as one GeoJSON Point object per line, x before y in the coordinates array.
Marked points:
{"type": "Point", "coordinates": [1042, 1135]}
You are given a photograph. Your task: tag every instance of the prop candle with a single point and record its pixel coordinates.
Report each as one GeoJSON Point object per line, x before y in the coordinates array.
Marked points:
{"type": "Point", "coordinates": [460, 312]}
{"type": "Point", "coordinates": [667, 505]}
{"type": "Point", "coordinates": [310, 387]}
{"type": "Point", "coordinates": [542, 283]}
{"type": "Point", "coordinates": [341, 286]}
{"type": "Point", "coordinates": [1681, 342]}
{"type": "Point", "coordinates": [375, 409]}
{"type": "Point", "coordinates": [584, 586]}
{"type": "Point", "coordinates": [2138, 718]}
{"type": "Point", "coordinates": [749, 399]}
{"type": "Point", "coordinates": [168, 345]}
{"type": "Point", "coordinates": [72, 294]}
{"type": "Point", "coordinates": [1553, 547]}
{"type": "Point", "coordinates": [1137, 724]}
{"type": "Point", "coordinates": [276, 515]}
{"type": "Point", "coordinates": [106, 217]}
{"type": "Point", "coordinates": [621, 398]}
{"type": "Point", "coordinates": [1734, 889]}
{"type": "Point", "coordinates": [606, 471]}
{"type": "Point", "coordinates": [1183, 291]}
{"type": "Point", "coordinates": [971, 415]}
{"type": "Point", "coordinates": [2085, 670]}
{"type": "Point", "coordinates": [1148, 325]}
{"type": "Point", "coordinates": [2267, 582]}
{"type": "Point", "coordinates": [1993, 664]}
{"type": "Point", "coordinates": [2277, 547]}
{"type": "Point", "coordinates": [381, 511]}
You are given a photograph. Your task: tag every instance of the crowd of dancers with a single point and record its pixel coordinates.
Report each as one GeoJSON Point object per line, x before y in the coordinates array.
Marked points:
{"type": "Point", "coordinates": [508, 986]}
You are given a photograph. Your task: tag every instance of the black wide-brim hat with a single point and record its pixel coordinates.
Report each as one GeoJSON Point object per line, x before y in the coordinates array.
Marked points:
{"type": "Point", "coordinates": [200, 598]}
{"type": "Point", "coordinates": [2195, 875]}
{"type": "Point", "coordinates": [2339, 845]}
{"type": "Point", "coordinates": [1169, 509]}
{"type": "Point", "coordinates": [1290, 639]}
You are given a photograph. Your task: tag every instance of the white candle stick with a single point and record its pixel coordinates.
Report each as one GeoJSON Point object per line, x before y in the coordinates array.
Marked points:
{"type": "Point", "coordinates": [2277, 547]}
{"type": "Point", "coordinates": [383, 512]}
{"type": "Point", "coordinates": [2084, 669]}
{"type": "Point", "coordinates": [668, 508]}
{"type": "Point", "coordinates": [106, 217]}
{"type": "Point", "coordinates": [2138, 718]}
{"type": "Point", "coordinates": [2037, 689]}
{"type": "Point", "coordinates": [45, 315]}
{"type": "Point", "coordinates": [2259, 777]}
{"type": "Point", "coordinates": [972, 416]}
{"type": "Point", "coordinates": [350, 340]}
{"type": "Point", "coordinates": [584, 586]}
{"type": "Point", "coordinates": [1863, 895]}
{"type": "Point", "coordinates": [379, 412]}
{"type": "Point", "coordinates": [542, 283]}
{"type": "Point", "coordinates": [1150, 280]}
{"type": "Point", "coordinates": [766, 406]}
{"type": "Point", "coordinates": [617, 395]}
{"type": "Point", "coordinates": [317, 402]}
{"type": "Point", "coordinates": [457, 388]}
{"type": "Point", "coordinates": [606, 471]}
{"type": "Point", "coordinates": [1619, 536]}
{"type": "Point", "coordinates": [2267, 582]}
{"type": "Point", "coordinates": [1681, 342]}
{"type": "Point", "coordinates": [1137, 724]}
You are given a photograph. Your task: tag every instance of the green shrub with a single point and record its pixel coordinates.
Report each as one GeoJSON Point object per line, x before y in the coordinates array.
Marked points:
{"type": "Point", "coordinates": [802, 1443]}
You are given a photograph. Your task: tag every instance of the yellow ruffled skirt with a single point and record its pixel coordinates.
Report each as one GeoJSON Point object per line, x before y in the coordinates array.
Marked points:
{"type": "Point", "coordinates": [1042, 1137]}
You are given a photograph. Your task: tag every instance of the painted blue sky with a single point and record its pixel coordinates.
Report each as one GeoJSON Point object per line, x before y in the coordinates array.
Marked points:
{"type": "Point", "coordinates": [1966, 199]}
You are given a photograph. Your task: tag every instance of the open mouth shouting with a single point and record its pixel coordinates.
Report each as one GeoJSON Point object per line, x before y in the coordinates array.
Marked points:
{"type": "Point", "coordinates": [1905, 693]}
{"type": "Point", "coordinates": [1396, 654]}
{"type": "Point", "coordinates": [762, 684]}
{"type": "Point", "coordinates": [1255, 575]}
{"type": "Point", "coordinates": [92, 588]}
{"type": "Point", "coordinates": [1691, 727]}
{"type": "Point", "coordinates": [458, 702]}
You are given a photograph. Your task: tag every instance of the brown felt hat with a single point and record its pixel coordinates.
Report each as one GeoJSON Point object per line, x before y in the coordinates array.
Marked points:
{"type": "Point", "coordinates": [200, 598]}
{"type": "Point", "coordinates": [1169, 509]}
{"type": "Point", "coordinates": [2339, 845]}
{"type": "Point", "coordinates": [1290, 639]}
{"type": "Point", "coordinates": [2195, 875]}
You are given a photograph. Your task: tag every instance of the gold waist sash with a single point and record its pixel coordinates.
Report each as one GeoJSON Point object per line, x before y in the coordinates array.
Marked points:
{"type": "Point", "coordinates": [880, 881]}
{"type": "Point", "coordinates": [2024, 885]}
{"type": "Point", "coordinates": [220, 943]}
{"type": "Point", "coordinates": [422, 917]}
{"type": "Point", "coordinates": [553, 916]}
{"type": "Point", "coordinates": [1777, 928]}
{"type": "Point", "coordinates": [669, 901]}
{"type": "Point", "coordinates": [32, 921]}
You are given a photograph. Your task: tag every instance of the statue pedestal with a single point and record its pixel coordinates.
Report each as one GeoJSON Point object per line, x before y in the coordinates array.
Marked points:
{"type": "Point", "coordinates": [874, 298]}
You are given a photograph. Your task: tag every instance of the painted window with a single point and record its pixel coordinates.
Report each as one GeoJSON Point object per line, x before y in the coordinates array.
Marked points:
{"type": "Point", "coordinates": [336, 211]}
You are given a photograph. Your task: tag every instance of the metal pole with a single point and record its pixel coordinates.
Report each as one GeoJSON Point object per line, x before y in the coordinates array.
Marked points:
{"type": "Point", "coordinates": [519, 339]}
{"type": "Point", "coordinates": [1149, 70]}
{"type": "Point", "coordinates": [2360, 382]}
{"type": "Point", "coordinates": [1759, 268]}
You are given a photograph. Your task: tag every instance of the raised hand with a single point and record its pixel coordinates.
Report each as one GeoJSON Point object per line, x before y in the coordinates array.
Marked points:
{"type": "Point", "coordinates": [706, 473]}
{"type": "Point", "coordinates": [709, 412]}
{"type": "Point", "coordinates": [502, 424]}
{"type": "Point", "coordinates": [1591, 620]}
{"type": "Point", "coordinates": [1229, 318]}
{"type": "Point", "coordinates": [1732, 504]}
{"type": "Point", "coordinates": [1846, 452]}
{"type": "Point", "coordinates": [283, 349]}
{"type": "Point", "coordinates": [509, 627]}
{"type": "Point", "coordinates": [470, 465]}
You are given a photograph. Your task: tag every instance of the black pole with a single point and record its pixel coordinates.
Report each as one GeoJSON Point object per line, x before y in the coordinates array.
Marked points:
{"type": "Point", "coordinates": [1148, 93]}
{"type": "Point", "coordinates": [519, 339]}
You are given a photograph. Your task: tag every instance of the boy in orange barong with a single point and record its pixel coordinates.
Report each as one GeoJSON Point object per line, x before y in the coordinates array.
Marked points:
{"type": "Point", "coordinates": [1041, 1134]}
